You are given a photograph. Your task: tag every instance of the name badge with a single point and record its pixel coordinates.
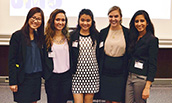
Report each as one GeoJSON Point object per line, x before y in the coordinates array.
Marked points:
{"type": "Point", "coordinates": [101, 44]}
{"type": "Point", "coordinates": [75, 44]}
{"type": "Point", "coordinates": [138, 64]}
{"type": "Point", "coordinates": [51, 54]}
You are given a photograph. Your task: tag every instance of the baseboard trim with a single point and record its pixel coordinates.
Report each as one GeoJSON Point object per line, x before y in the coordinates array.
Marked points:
{"type": "Point", "coordinates": [157, 81]}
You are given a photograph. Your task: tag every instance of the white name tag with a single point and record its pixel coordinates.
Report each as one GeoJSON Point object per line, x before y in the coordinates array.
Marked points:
{"type": "Point", "coordinates": [51, 54]}
{"type": "Point", "coordinates": [101, 44]}
{"type": "Point", "coordinates": [138, 65]}
{"type": "Point", "coordinates": [75, 44]}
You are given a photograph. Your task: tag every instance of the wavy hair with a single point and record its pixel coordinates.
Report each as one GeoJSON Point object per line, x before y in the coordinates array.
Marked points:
{"type": "Point", "coordinates": [50, 29]}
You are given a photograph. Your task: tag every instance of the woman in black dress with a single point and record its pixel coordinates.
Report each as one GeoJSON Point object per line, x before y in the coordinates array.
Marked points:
{"type": "Point", "coordinates": [84, 50]}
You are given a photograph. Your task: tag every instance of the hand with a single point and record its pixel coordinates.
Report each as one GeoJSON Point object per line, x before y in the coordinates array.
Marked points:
{"type": "Point", "coordinates": [146, 93]}
{"type": "Point", "coordinates": [14, 88]}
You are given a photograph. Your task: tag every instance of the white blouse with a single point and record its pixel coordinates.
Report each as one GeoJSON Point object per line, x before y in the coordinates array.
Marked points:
{"type": "Point", "coordinates": [61, 57]}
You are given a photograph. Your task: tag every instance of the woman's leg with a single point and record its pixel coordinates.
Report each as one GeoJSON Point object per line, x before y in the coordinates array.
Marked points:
{"type": "Point", "coordinates": [129, 93]}
{"type": "Point", "coordinates": [108, 101]}
{"type": "Point", "coordinates": [88, 98]}
{"type": "Point", "coordinates": [65, 87]}
{"type": "Point", "coordinates": [52, 89]}
{"type": "Point", "coordinates": [139, 85]}
{"type": "Point", "coordinates": [78, 98]}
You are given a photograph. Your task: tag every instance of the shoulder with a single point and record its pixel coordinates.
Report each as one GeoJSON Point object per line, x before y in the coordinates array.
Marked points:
{"type": "Point", "coordinates": [151, 39]}
{"type": "Point", "coordinates": [16, 35]}
{"type": "Point", "coordinates": [125, 29]}
{"type": "Point", "coordinates": [105, 29]}
{"type": "Point", "coordinates": [154, 39]}
{"type": "Point", "coordinates": [74, 34]}
{"type": "Point", "coordinates": [103, 33]}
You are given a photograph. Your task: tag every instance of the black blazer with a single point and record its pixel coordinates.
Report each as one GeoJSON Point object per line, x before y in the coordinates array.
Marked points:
{"type": "Point", "coordinates": [16, 58]}
{"type": "Point", "coordinates": [48, 65]}
{"type": "Point", "coordinates": [145, 51]}
{"type": "Point", "coordinates": [102, 38]}
{"type": "Point", "coordinates": [75, 50]}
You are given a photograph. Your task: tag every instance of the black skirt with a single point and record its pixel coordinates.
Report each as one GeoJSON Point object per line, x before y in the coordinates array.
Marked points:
{"type": "Point", "coordinates": [30, 90]}
{"type": "Point", "coordinates": [113, 79]}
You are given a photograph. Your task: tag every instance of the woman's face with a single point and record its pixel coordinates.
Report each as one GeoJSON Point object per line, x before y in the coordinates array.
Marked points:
{"type": "Point", "coordinates": [115, 18]}
{"type": "Point", "coordinates": [140, 24]}
{"type": "Point", "coordinates": [85, 22]}
{"type": "Point", "coordinates": [35, 21]}
{"type": "Point", "coordinates": [60, 21]}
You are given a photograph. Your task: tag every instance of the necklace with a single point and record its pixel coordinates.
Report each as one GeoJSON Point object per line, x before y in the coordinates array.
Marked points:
{"type": "Point", "coordinates": [60, 41]}
{"type": "Point", "coordinates": [113, 36]}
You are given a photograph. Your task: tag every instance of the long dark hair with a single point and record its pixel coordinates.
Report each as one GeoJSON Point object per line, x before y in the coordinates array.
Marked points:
{"type": "Point", "coordinates": [50, 29]}
{"type": "Point", "coordinates": [133, 33]}
{"type": "Point", "coordinates": [39, 34]}
{"type": "Point", "coordinates": [93, 30]}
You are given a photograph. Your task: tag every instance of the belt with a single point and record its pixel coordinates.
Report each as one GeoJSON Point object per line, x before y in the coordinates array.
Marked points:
{"type": "Point", "coordinates": [137, 76]}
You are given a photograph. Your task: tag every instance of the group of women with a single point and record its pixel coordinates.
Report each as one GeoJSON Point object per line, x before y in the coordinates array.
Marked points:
{"type": "Point", "coordinates": [118, 63]}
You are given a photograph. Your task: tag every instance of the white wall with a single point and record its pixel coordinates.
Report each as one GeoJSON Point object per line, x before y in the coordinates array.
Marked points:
{"type": "Point", "coordinates": [163, 27]}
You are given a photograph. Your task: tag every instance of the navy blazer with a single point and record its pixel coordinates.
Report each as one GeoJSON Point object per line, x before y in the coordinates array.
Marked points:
{"type": "Point", "coordinates": [103, 36]}
{"type": "Point", "coordinates": [145, 51]}
{"type": "Point", "coordinates": [16, 58]}
{"type": "Point", "coordinates": [48, 64]}
{"type": "Point", "coordinates": [75, 50]}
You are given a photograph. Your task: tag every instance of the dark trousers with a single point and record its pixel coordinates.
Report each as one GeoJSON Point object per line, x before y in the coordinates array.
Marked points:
{"type": "Point", "coordinates": [58, 87]}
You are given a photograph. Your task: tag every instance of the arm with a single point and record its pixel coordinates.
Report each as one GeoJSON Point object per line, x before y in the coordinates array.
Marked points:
{"type": "Point", "coordinates": [152, 60]}
{"type": "Point", "coordinates": [153, 53]}
{"type": "Point", "coordinates": [12, 59]}
{"type": "Point", "coordinates": [14, 88]}
{"type": "Point", "coordinates": [146, 90]}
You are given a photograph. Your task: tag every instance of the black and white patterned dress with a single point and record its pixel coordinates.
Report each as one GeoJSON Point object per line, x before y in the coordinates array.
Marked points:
{"type": "Point", "coordinates": [86, 78]}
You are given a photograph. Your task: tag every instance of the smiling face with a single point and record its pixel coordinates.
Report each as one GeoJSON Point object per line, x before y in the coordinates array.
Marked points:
{"type": "Point", "coordinates": [115, 19]}
{"type": "Point", "coordinates": [35, 21]}
{"type": "Point", "coordinates": [140, 24]}
{"type": "Point", "coordinates": [60, 21]}
{"type": "Point", "coordinates": [85, 22]}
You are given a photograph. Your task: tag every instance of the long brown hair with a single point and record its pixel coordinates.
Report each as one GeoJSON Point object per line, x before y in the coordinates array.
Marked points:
{"type": "Point", "coordinates": [39, 34]}
{"type": "Point", "coordinates": [50, 29]}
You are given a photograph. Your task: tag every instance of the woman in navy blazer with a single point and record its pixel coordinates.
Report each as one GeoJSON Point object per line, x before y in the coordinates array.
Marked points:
{"type": "Point", "coordinates": [57, 64]}
{"type": "Point", "coordinates": [25, 58]}
{"type": "Point", "coordinates": [143, 50]}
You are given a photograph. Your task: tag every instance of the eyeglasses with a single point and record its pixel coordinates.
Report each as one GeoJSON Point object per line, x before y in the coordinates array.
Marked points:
{"type": "Point", "coordinates": [36, 19]}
